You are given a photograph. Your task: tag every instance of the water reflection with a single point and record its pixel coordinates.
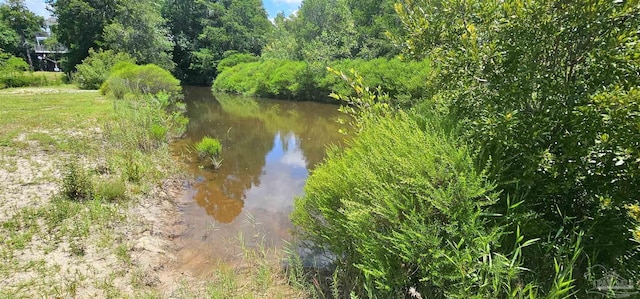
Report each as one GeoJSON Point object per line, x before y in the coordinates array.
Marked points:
{"type": "Point", "coordinates": [269, 147]}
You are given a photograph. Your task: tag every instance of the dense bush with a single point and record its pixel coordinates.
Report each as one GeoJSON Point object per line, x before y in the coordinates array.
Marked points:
{"type": "Point", "coordinates": [404, 81]}
{"type": "Point", "coordinates": [128, 78]}
{"type": "Point", "coordinates": [287, 79]}
{"type": "Point", "coordinates": [234, 59]}
{"type": "Point", "coordinates": [95, 69]}
{"type": "Point", "coordinates": [547, 93]}
{"type": "Point", "coordinates": [10, 63]}
{"type": "Point", "coordinates": [402, 208]}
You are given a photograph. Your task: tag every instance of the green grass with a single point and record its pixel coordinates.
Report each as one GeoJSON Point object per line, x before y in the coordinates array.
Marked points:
{"type": "Point", "coordinates": [60, 113]}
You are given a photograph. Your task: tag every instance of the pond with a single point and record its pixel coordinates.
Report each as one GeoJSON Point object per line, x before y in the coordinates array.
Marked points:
{"type": "Point", "coordinates": [269, 148]}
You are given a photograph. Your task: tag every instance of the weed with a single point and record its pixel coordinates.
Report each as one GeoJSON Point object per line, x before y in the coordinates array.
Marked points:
{"type": "Point", "coordinates": [77, 248]}
{"type": "Point", "coordinates": [210, 148]}
{"type": "Point", "coordinates": [76, 183]}
{"type": "Point", "coordinates": [111, 189]}
{"type": "Point", "coordinates": [122, 252]}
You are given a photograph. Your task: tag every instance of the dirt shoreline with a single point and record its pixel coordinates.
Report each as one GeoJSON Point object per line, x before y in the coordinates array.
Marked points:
{"type": "Point", "coordinates": [128, 246]}
{"type": "Point", "coordinates": [149, 232]}
{"type": "Point", "coordinates": [53, 247]}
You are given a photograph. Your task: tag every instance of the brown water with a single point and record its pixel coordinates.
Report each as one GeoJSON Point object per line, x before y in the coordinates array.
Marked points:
{"type": "Point", "coordinates": [269, 148]}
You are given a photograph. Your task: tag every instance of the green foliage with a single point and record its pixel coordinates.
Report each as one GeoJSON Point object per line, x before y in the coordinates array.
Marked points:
{"type": "Point", "coordinates": [76, 182]}
{"type": "Point", "coordinates": [547, 93]}
{"type": "Point", "coordinates": [404, 80]}
{"type": "Point", "coordinates": [95, 69]}
{"type": "Point", "coordinates": [234, 59]}
{"type": "Point", "coordinates": [209, 147]}
{"type": "Point", "coordinates": [402, 207]}
{"type": "Point", "coordinates": [111, 189]}
{"type": "Point", "coordinates": [18, 19]}
{"type": "Point", "coordinates": [80, 26]}
{"type": "Point", "coordinates": [138, 29]}
{"type": "Point", "coordinates": [10, 63]}
{"type": "Point", "coordinates": [206, 30]}
{"type": "Point", "coordinates": [320, 31]}
{"type": "Point", "coordinates": [128, 78]}
{"type": "Point", "coordinates": [9, 39]}
{"type": "Point", "coordinates": [13, 73]}
{"type": "Point", "coordinates": [324, 30]}
{"type": "Point", "coordinates": [132, 27]}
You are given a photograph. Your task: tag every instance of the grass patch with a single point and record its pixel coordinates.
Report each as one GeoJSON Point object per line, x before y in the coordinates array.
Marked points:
{"type": "Point", "coordinates": [61, 111]}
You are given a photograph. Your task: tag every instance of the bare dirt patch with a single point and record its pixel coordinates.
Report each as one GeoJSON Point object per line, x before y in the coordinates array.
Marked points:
{"type": "Point", "coordinates": [92, 249]}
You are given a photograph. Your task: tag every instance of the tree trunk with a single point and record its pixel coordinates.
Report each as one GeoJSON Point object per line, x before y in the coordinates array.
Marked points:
{"type": "Point", "coordinates": [26, 48]}
{"type": "Point", "coordinates": [29, 59]}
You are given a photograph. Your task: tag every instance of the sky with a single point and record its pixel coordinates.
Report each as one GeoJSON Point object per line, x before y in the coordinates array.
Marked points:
{"type": "Point", "coordinates": [272, 7]}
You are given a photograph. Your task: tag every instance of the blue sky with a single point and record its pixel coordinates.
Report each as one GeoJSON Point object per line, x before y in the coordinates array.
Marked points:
{"type": "Point", "coordinates": [272, 6]}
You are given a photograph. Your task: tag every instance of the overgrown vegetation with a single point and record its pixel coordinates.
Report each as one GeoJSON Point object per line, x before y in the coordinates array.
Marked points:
{"type": "Point", "coordinates": [298, 80]}
{"type": "Point", "coordinates": [138, 80]}
{"type": "Point", "coordinates": [554, 125]}
{"type": "Point", "coordinates": [95, 69]}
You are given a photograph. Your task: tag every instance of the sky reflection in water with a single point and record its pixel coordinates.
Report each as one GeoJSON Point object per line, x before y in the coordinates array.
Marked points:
{"type": "Point", "coordinates": [269, 149]}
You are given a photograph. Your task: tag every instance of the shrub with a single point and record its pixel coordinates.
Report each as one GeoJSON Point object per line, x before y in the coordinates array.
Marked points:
{"type": "Point", "coordinates": [547, 93]}
{"type": "Point", "coordinates": [286, 79]}
{"type": "Point", "coordinates": [95, 69]}
{"type": "Point", "coordinates": [128, 78]}
{"type": "Point", "coordinates": [13, 73]}
{"type": "Point", "coordinates": [402, 208]}
{"type": "Point", "coordinates": [76, 182]}
{"type": "Point", "coordinates": [234, 59]}
{"type": "Point", "coordinates": [13, 64]}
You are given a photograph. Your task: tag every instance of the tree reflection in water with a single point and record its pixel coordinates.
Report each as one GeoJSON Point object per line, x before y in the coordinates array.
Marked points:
{"type": "Point", "coordinates": [268, 149]}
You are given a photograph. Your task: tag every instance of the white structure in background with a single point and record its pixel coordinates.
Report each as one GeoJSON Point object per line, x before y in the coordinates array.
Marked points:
{"type": "Point", "coordinates": [49, 54]}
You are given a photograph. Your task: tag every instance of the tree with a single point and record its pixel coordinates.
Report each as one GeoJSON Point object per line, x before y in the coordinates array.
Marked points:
{"type": "Point", "coordinates": [239, 25]}
{"type": "Point", "coordinates": [81, 24]}
{"type": "Point", "coordinates": [16, 16]}
{"type": "Point", "coordinates": [373, 19]}
{"type": "Point", "coordinates": [547, 92]}
{"type": "Point", "coordinates": [139, 30]}
{"type": "Point", "coordinates": [204, 30]}
{"type": "Point", "coordinates": [282, 40]}
{"type": "Point", "coordinates": [184, 20]}
{"type": "Point", "coordinates": [132, 27]}
{"type": "Point", "coordinates": [9, 39]}
{"type": "Point", "coordinates": [325, 30]}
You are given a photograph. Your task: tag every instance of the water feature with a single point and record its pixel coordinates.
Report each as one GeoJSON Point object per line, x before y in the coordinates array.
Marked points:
{"type": "Point", "coordinates": [269, 148]}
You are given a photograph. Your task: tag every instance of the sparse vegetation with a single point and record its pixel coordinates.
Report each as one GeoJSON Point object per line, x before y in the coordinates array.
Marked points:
{"type": "Point", "coordinates": [59, 138]}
